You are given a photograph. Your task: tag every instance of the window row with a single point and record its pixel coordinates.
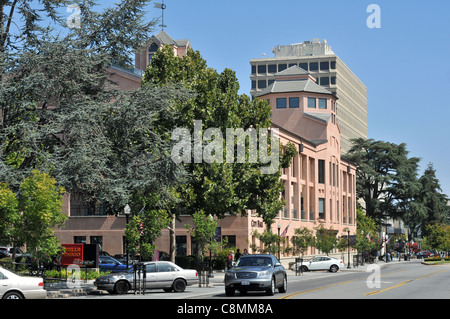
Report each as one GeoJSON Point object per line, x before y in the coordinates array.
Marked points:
{"type": "Point", "coordinates": [294, 103]}
{"type": "Point", "coordinates": [311, 66]}
{"type": "Point", "coordinates": [262, 84]}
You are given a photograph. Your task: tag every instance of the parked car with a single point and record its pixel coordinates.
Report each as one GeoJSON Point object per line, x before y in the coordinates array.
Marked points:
{"type": "Point", "coordinates": [108, 263]}
{"type": "Point", "coordinates": [8, 251]}
{"type": "Point", "coordinates": [321, 263]}
{"type": "Point", "coordinates": [256, 273]}
{"type": "Point", "coordinates": [13, 286]}
{"type": "Point", "coordinates": [159, 275]}
{"type": "Point", "coordinates": [424, 254]}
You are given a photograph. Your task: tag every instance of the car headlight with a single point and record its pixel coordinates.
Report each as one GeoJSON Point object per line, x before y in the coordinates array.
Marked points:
{"type": "Point", "coordinates": [230, 274]}
{"type": "Point", "coordinates": [263, 273]}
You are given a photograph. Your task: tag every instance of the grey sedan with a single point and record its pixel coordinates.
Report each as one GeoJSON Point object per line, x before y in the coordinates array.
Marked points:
{"type": "Point", "coordinates": [159, 275]}
{"type": "Point", "coordinates": [13, 286]}
{"type": "Point", "coordinates": [256, 272]}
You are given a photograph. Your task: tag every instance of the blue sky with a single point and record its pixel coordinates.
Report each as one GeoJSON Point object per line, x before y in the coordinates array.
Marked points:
{"type": "Point", "coordinates": [405, 64]}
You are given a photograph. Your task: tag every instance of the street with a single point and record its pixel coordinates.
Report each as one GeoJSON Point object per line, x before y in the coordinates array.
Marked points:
{"type": "Point", "coordinates": [394, 280]}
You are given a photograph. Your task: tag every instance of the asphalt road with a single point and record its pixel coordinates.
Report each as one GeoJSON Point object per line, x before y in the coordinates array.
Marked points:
{"type": "Point", "coordinates": [394, 280]}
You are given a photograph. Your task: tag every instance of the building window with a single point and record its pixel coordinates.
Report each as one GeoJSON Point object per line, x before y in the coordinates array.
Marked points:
{"type": "Point", "coordinates": [324, 66]}
{"type": "Point", "coordinates": [321, 171]}
{"type": "Point", "coordinates": [312, 102]}
{"type": "Point", "coordinates": [153, 47]}
{"type": "Point", "coordinates": [294, 103]}
{"type": "Point", "coordinates": [322, 103]}
{"type": "Point", "coordinates": [262, 69]}
{"type": "Point", "coordinates": [79, 240]}
{"type": "Point", "coordinates": [150, 56]}
{"type": "Point", "coordinates": [333, 80]}
{"type": "Point", "coordinates": [282, 67]}
{"type": "Point", "coordinates": [253, 85]}
{"type": "Point", "coordinates": [253, 69]}
{"type": "Point", "coordinates": [325, 81]}
{"type": "Point", "coordinates": [181, 245]}
{"type": "Point", "coordinates": [333, 65]}
{"type": "Point", "coordinates": [97, 240]}
{"type": "Point", "coordinates": [314, 66]}
{"type": "Point", "coordinates": [269, 82]}
{"type": "Point", "coordinates": [304, 66]}
{"type": "Point", "coordinates": [321, 208]}
{"type": "Point", "coordinates": [272, 68]}
{"type": "Point", "coordinates": [292, 64]}
{"type": "Point", "coordinates": [262, 84]}
{"type": "Point", "coordinates": [281, 103]}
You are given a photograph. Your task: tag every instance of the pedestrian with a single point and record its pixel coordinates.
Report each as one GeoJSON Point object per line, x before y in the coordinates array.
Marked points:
{"type": "Point", "coordinates": [238, 255]}
{"type": "Point", "coordinates": [230, 259]}
{"type": "Point", "coordinates": [245, 251]}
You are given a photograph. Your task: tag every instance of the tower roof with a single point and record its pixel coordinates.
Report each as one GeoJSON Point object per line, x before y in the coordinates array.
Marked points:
{"type": "Point", "coordinates": [293, 79]}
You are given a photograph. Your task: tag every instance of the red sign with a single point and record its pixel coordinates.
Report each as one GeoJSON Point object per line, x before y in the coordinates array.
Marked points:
{"type": "Point", "coordinates": [73, 254]}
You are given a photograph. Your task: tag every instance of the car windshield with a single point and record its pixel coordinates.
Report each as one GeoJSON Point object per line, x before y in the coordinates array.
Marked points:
{"type": "Point", "coordinates": [254, 261]}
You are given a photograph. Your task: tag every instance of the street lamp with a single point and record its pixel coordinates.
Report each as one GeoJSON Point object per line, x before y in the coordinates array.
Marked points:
{"type": "Point", "coordinates": [127, 212]}
{"type": "Point", "coordinates": [348, 244]}
{"type": "Point", "coordinates": [279, 228]}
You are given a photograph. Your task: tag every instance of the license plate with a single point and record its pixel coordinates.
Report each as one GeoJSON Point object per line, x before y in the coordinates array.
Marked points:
{"type": "Point", "coordinates": [245, 282]}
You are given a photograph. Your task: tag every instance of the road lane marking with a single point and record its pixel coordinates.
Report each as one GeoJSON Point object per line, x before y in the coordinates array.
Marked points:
{"type": "Point", "coordinates": [327, 286]}
{"type": "Point", "coordinates": [402, 283]}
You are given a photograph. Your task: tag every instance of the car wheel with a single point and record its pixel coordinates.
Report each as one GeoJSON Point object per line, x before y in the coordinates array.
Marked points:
{"type": "Point", "coordinates": [283, 288]}
{"type": "Point", "coordinates": [179, 285]}
{"type": "Point", "coordinates": [121, 287]}
{"type": "Point", "coordinates": [229, 292]}
{"type": "Point", "coordinates": [271, 291]}
{"type": "Point", "coordinates": [334, 268]}
{"type": "Point", "coordinates": [13, 295]}
{"type": "Point", "coordinates": [304, 268]}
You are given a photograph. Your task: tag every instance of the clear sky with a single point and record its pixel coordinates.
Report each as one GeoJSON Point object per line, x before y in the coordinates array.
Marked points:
{"type": "Point", "coordinates": [405, 63]}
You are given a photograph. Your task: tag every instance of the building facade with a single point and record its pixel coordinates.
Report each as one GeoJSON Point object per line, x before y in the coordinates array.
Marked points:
{"type": "Point", "coordinates": [330, 72]}
{"type": "Point", "coordinates": [320, 188]}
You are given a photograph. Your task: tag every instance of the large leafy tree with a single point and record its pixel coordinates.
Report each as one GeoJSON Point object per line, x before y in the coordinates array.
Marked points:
{"type": "Point", "coordinates": [30, 216]}
{"type": "Point", "coordinates": [60, 112]}
{"type": "Point", "coordinates": [434, 203]}
{"type": "Point", "coordinates": [219, 187]}
{"type": "Point", "coordinates": [386, 177]}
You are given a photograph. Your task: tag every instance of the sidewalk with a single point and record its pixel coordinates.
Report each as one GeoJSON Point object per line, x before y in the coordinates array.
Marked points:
{"type": "Point", "coordinates": [66, 290]}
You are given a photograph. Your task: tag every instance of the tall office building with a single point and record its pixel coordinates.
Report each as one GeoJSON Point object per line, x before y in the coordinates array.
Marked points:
{"type": "Point", "coordinates": [330, 72]}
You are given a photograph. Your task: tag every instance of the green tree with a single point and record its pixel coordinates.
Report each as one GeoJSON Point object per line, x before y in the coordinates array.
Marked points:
{"type": "Point", "coordinates": [303, 239]}
{"type": "Point", "coordinates": [219, 187]}
{"type": "Point", "coordinates": [438, 237]}
{"type": "Point", "coordinates": [271, 242]}
{"type": "Point", "coordinates": [40, 202]}
{"type": "Point", "coordinates": [366, 232]}
{"type": "Point", "coordinates": [202, 232]}
{"type": "Point", "coordinates": [325, 239]}
{"type": "Point", "coordinates": [60, 111]}
{"type": "Point", "coordinates": [386, 177]}
{"type": "Point", "coordinates": [9, 215]}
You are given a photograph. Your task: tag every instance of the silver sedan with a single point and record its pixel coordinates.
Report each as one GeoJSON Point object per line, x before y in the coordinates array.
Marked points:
{"type": "Point", "coordinates": [256, 272]}
{"type": "Point", "coordinates": [13, 286]}
{"type": "Point", "coordinates": [158, 275]}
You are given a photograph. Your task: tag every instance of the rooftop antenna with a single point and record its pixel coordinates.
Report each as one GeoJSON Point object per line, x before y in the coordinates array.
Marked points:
{"type": "Point", "coordinates": [161, 6]}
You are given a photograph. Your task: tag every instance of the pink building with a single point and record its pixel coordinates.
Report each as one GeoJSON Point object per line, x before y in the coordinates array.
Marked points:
{"type": "Point", "coordinates": [320, 188]}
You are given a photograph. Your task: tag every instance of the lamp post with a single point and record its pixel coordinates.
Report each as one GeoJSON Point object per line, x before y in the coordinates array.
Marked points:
{"type": "Point", "coordinates": [279, 228]}
{"type": "Point", "coordinates": [127, 212]}
{"type": "Point", "coordinates": [348, 244]}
